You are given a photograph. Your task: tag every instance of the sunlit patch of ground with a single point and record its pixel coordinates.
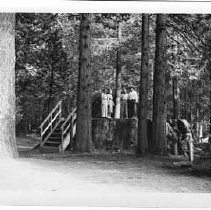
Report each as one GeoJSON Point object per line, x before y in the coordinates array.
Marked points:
{"type": "Point", "coordinates": [102, 178]}
{"type": "Point", "coordinates": [27, 142]}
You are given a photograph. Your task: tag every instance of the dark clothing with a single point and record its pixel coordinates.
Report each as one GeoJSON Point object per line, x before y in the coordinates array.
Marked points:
{"type": "Point", "coordinates": [185, 143]}
{"type": "Point", "coordinates": [149, 134]}
{"type": "Point", "coordinates": [183, 126]}
{"type": "Point", "coordinates": [124, 108]}
{"type": "Point", "coordinates": [131, 108]}
{"type": "Point", "coordinates": [96, 105]}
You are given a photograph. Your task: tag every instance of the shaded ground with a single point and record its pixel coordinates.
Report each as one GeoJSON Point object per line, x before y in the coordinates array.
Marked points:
{"type": "Point", "coordinates": [102, 176]}
{"type": "Point", "coordinates": [152, 174]}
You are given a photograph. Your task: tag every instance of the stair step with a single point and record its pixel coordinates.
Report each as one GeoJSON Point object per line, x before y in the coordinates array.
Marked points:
{"type": "Point", "coordinates": [55, 137]}
{"type": "Point", "coordinates": [56, 134]}
{"type": "Point", "coordinates": [50, 149]}
{"type": "Point", "coordinates": [58, 130]}
{"type": "Point", "coordinates": [51, 144]}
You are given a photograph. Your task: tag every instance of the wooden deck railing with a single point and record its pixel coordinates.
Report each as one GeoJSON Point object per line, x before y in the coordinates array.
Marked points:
{"type": "Point", "coordinates": [69, 125]}
{"type": "Point", "coordinates": [51, 122]}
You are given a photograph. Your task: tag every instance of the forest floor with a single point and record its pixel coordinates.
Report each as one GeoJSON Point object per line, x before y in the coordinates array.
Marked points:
{"type": "Point", "coordinates": [99, 180]}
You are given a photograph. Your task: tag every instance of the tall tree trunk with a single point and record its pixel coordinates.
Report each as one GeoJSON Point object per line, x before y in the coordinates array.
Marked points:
{"type": "Point", "coordinates": [186, 99]}
{"type": "Point", "coordinates": [118, 75]}
{"type": "Point", "coordinates": [209, 66]}
{"type": "Point", "coordinates": [176, 108]}
{"type": "Point", "coordinates": [84, 117]}
{"type": "Point", "coordinates": [159, 86]}
{"type": "Point", "coordinates": [210, 107]}
{"type": "Point", "coordinates": [53, 59]}
{"type": "Point", "coordinates": [142, 146]}
{"type": "Point", "coordinates": [208, 57]}
{"type": "Point", "coordinates": [197, 122]}
{"type": "Point", "coordinates": [176, 99]}
{"type": "Point", "coordinates": [8, 147]}
{"type": "Point", "coordinates": [50, 92]}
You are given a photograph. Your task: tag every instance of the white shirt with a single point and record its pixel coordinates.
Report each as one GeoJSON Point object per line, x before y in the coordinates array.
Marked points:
{"type": "Point", "coordinates": [110, 99]}
{"type": "Point", "coordinates": [124, 96]}
{"type": "Point", "coordinates": [133, 95]}
{"type": "Point", "coordinates": [104, 97]}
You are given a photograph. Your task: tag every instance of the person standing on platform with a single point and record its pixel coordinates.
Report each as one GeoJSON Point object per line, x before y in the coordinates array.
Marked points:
{"type": "Point", "coordinates": [104, 104]}
{"type": "Point", "coordinates": [132, 103]}
{"type": "Point", "coordinates": [110, 103]}
{"type": "Point", "coordinates": [124, 104]}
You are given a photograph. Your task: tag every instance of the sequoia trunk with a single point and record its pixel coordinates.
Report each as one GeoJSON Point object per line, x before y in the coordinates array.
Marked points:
{"type": "Point", "coordinates": [142, 146]}
{"type": "Point", "coordinates": [8, 147]}
{"type": "Point", "coordinates": [84, 116]}
{"type": "Point", "coordinates": [176, 108]}
{"type": "Point", "coordinates": [159, 86]}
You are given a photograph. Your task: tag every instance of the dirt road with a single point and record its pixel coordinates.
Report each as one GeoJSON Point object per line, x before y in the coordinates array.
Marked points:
{"type": "Point", "coordinates": [101, 180]}
{"type": "Point", "coordinates": [151, 174]}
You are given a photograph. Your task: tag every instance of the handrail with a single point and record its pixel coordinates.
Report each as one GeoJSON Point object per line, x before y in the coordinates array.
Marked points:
{"type": "Point", "coordinates": [69, 116]}
{"type": "Point", "coordinates": [57, 110]}
{"type": "Point", "coordinates": [49, 115]}
{"type": "Point", "coordinates": [52, 120]}
{"type": "Point", "coordinates": [49, 134]}
{"type": "Point", "coordinates": [68, 127]}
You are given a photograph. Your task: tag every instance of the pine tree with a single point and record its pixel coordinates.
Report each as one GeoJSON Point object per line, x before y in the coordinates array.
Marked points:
{"type": "Point", "coordinates": [142, 147]}
{"type": "Point", "coordinates": [84, 116]}
{"type": "Point", "coordinates": [159, 86]}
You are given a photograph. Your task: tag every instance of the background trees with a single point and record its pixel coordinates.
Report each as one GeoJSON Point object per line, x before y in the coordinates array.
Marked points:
{"type": "Point", "coordinates": [44, 73]}
{"type": "Point", "coordinates": [47, 62]}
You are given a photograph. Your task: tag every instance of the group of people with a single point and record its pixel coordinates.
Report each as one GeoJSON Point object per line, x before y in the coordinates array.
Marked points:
{"type": "Point", "coordinates": [128, 105]}
{"type": "Point", "coordinates": [107, 103]}
{"type": "Point", "coordinates": [179, 133]}
{"type": "Point", "coordinates": [129, 101]}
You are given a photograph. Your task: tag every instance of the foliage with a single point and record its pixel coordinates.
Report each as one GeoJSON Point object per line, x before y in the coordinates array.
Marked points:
{"type": "Point", "coordinates": [47, 60]}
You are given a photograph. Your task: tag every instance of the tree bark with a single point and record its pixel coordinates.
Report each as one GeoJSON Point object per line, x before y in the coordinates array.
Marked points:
{"type": "Point", "coordinates": [8, 147]}
{"type": "Point", "coordinates": [176, 108]}
{"type": "Point", "coordinates": [84, 117]}
{"type": "Point", "coordinates": [176, 99]}
{"type": "Point", "coordinates": [50, 92]}
{"type": "Point", "coordinates": [209, 69]}
{"type": "Point", "coordinates": [118, 75]}
{"type": "Point", "coordinates": [209, 66]}
{"type": "Point", "coordinates": [142, 146]}
{"type": "Point", "coordinates": [210, 108]}
{"type": "Point", "coordinates": [159, 140]}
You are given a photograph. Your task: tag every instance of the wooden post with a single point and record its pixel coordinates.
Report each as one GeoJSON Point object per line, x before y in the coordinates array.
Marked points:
{"type": "Point", "coordinates": [51, 122]}
{"type": "Point", "coordinates": [41, 134]}
{"type": "Point", "coordinates": [191, 151]}
{"type": "Point", "coordinates": [71, 131]}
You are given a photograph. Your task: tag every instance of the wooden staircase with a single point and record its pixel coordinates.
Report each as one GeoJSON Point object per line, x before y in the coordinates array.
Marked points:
{"type": "Point", "coordinates": [58, 133]}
